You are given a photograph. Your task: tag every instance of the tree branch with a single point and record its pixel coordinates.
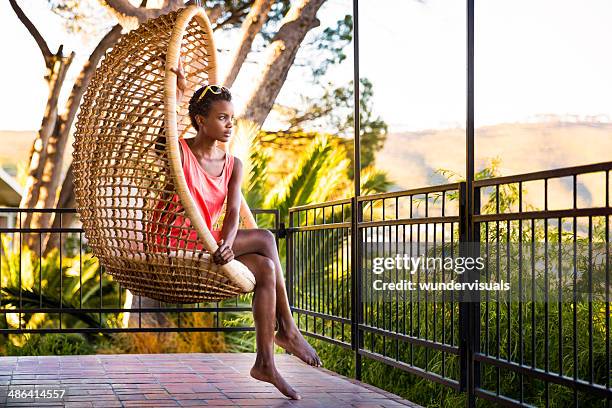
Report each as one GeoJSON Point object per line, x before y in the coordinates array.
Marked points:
{"type": "Point", "coordinates": [74, 101]}
{"type": "Point", "coordinates": [300, 19]}
{"type": "Point", "coordinates": [250, 27]}
{"type": "Point", "coordinates": [42, 44]}
{"type": "Point", "coordinates": [124, 8]}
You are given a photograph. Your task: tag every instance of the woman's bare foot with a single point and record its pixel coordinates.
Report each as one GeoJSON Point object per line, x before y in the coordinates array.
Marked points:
{"type": "Point", "coordinates": [296, 344]}
{"type": "Point", "coordinates": [269, 374]}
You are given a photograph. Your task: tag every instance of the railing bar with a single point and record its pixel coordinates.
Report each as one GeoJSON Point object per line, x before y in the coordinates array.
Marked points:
{"type": "Point", "coordinates": [487, 293]}
{"type": "Point", "coordinates": [127, 330]}
{"type": "Point", "coordinates": [345, 256]}
{"type": "Point", "coordinates": [419, 341]}
{"type": "Point", "coordinates": [533, 291]}
{"type": "Point", "coordinates": [397, 314]}
{"type": "Point", "coordinates": [81, 270]}
{"type": "Point", "coordinates": [411, 192]}
{"type": "Point", "coordinates": [410, 368]}
{"type": "Point", "coordinates": [386, 298]}
{"type": "Point", "coordinates": [101, 294]}
{"type": "Point", "coordinates": [61, 274]}
{"type": "Point", "coordinates": [39, 230]}
{"type": "Point", "coordinates": [607, 238]}
{"type": "Point", "coordinates": [576, 212]}
{"type": "Point", "coordinates": [521, 328]}
{"type": "Point", "coordinates": [509, 301]}
{"type": "Point", "coordinates": [546, 298]}
{"type": "Point", "coordinates": [575, 206]}
{"type": "Point", "coordinates": [426, 272]}
{"type": "Point", "coordinates": [444, 281]}
{"type": "Point", "coordinates": [36, 210]}
{"type": "Point", "coordinates": [452, 311]}
{"type": "Point", "coordinates": [20, 285]}
{"type": "Point", "coordinates": [123, 310]}
{"type": "Point", "coordinates": [443, 306]}
{"type": "Point", "coordinates": [373, 304]}
{"type": "Point", "coordinates": [300, 208]}
{"type": "Point", "coordinates": [305, 302]}
{"type": "Point", "coordinates": [418, 284]}
{"type": "Point", "coordinates": [335, 273]}
{"type": "Point", "coordinates": [327, 339]}
{"type": "Point", "coordinates": [388, 303]}
{"type": "Point", "coordinates": [560, 293]}
{"type": "Point", "coordinates": [403, 221]}
{"type": "Point", "coordinates": [435, 248]}
{"type": "Point", "coordinates": [378, 303]}
{"type": "Point", "coordinates": [298, 271]}
{"type": "Point", "coordinates": [497, 306]}
{"type": "Point", "coordinates": [1, 251]}
{"type": "Point", "coordinates": [40, 256]}
{"type": "Point", "coordinates": [590, 282]}
{"type": "Point", "coordinates": [545, 376]}
{"type": "Point", "coordinates": [324, 274]}
{"type": "Point", "coordinates": [574, 289]}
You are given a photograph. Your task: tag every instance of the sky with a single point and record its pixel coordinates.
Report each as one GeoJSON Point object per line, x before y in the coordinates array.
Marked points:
{"type": "Point", "coordinates": [533, 58]}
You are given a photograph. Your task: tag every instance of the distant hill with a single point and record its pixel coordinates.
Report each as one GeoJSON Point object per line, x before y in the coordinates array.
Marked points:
{"type": "Point", "coordinates": [411, 158]}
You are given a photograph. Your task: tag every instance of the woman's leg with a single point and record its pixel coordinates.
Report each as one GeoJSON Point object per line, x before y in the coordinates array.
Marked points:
{"type": "Point", "coordinates": [264, 306]}
{"type": "Point", "coordinates": [289, 337]}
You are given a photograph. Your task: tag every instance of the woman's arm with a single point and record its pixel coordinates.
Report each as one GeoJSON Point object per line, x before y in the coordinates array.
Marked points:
{"type": "Point", "coordinates": [232, 216]}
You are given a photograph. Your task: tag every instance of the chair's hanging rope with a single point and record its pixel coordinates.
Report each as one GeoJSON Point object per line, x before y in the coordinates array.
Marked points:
{"type": "Point", "coordinates": [198, 3]}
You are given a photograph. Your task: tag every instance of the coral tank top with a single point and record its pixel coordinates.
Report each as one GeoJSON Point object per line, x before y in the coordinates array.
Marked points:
{"type": "Point", "coordinates": [209, 193]}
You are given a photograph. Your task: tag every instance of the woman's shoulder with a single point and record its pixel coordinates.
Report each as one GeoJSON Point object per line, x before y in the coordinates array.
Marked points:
{"type": "Point", "coordinates": [235, 164]}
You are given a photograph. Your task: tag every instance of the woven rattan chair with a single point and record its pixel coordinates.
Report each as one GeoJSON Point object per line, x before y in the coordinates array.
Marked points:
{"type": "Point", "coordinates": [130, 189]}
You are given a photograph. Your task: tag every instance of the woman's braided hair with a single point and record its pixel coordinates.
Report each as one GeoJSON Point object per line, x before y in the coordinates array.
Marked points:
{"type": "Point", "coordinates": [202, 106]}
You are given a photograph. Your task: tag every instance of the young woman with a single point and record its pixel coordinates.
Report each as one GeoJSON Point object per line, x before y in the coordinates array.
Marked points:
{"type": "Point", "coordinates": [215, 175]}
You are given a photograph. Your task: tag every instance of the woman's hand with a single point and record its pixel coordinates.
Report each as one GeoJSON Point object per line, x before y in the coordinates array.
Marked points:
{"type": "Point", "coordinates": [223, 254]}
{"type": "Point", "coordinates": [181, 81]}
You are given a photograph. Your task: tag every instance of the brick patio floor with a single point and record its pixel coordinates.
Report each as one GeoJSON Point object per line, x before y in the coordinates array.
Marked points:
{"type": "Point", "coordinates": [179, 380]}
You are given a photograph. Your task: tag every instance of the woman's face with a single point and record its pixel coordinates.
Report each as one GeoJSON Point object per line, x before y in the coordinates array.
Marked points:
{"type": "Point", "coordinates": [218, 123]}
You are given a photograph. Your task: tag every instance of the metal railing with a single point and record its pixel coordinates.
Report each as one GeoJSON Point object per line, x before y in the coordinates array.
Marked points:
{"type": "Point", "coordinates": [544, 341]}
{"type": "Point", "coordinates": [515, 351]}
{"type": "Point", "coordinates": [82, 298]}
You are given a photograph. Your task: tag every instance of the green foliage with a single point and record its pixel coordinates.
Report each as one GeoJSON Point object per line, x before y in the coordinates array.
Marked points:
{"type": "Point", "coordinates": [314, 178]}
{"type": "Point", "coordinates": [333, 42]}
{"type": "Point", "coordinates": [32, 282]}
{"type": "Point", "coordinates": [544, 337]}
{"type": "Point", "coordinates": [55, 344]}
{"type": "Point", "coordinates": [334, 112]}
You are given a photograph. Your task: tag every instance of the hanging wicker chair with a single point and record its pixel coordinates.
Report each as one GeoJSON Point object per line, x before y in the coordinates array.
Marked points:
{"type": "Point", "coordinates": [130, 189]}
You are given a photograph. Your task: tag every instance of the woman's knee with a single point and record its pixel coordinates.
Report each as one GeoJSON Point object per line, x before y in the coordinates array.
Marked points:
{"type": "Point", "coordinates": [265, 274]}
{"type": "Point", "coordinates": [268, 239]}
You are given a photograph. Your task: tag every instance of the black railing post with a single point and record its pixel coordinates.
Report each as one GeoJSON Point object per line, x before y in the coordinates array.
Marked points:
{"type": "Point", "coordinates": [289, 257]}
{"type": "Point", "coordinates": [469, 307]}
{"type": "Point", "coordinates": [474, 300]}
{"type": "Point", "coordinates": [356, 342]}
{"type": "Point", "coordinates": [464, 310]}
{"type": "Point", "coordinates": [468, 313]}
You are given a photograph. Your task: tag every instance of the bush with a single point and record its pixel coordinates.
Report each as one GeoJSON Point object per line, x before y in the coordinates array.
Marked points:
{"type": "Point", "coordinates": [51, 345]}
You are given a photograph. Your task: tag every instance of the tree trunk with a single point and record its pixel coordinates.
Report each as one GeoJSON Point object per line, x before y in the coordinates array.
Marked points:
{"type": "Point", "coordinates": [66, 200]}
{"type": "Point", "coordinates": [300, 19]}
{"type": "Point", "coordinates": [48, 183]}
{"type": "Point", "coordinates": [250, 27]}
{"type": "Point", "coordinates": [56, 75]}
